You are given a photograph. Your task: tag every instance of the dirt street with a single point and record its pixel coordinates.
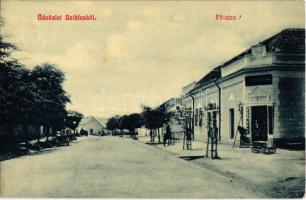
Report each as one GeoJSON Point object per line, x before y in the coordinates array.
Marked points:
{"type": "Point", "coordinates": [113, 167]}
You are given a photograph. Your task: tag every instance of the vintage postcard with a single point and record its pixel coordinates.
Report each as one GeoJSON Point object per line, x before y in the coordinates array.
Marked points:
{"type": "Point", "coordinates": [152, 99]}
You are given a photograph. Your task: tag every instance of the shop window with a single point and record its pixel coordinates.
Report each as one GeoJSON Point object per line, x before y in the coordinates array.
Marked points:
{"type": "Point", "coordinates": [258, 80]}
{"type": "Point", "coordinates": [200, 117]}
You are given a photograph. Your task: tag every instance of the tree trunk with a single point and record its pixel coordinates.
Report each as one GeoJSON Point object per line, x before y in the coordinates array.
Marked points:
{"type": "Point", "coordinates": [151, 135]}
{"type": "Point", "coordinates": [25, 134]}
{"type": "Point", "coordinates": [38, 136]}
{"type": "Point", "coordinates": [48, 131]}
{"type": "Point", "coordinates": [158, 136]}
{"type": "Point", "coordinates": [10, 133]}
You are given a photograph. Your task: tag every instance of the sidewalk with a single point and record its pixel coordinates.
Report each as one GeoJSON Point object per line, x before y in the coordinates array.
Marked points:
{"type": "Point", "coordinates": [177, 149]}
{"type": "Point", "coordinates": [279, 175]}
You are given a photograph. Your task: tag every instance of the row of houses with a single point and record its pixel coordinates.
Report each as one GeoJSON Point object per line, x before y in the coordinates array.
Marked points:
{"type": "Point", "coordinates": [262, 88]}
{"type": "Point", "coordinates": [171, 105]}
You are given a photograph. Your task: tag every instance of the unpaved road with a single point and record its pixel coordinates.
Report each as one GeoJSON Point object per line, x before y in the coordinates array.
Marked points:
{"type": "Point", "coordinates": [112, 167]}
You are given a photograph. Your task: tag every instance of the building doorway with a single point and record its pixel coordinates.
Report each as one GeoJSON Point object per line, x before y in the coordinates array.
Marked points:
{"type": "Point", "coordinates": [262, 122]}
{"type": "Point", "coordinates": [232, 122]}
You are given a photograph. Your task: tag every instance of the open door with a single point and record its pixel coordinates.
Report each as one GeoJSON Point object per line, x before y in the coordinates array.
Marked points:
{"type": "Point", "coordinates": [262, 122]}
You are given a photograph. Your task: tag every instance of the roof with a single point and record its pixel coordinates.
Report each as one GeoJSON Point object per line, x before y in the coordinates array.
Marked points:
{"type": "Point", "coordinates": [172, 101]}
{"type": "Point", "coordinates": [212, 75]}
{"type": "Point", "coordinates": [189, 85]}
{"type": "Point", "coordinates": [174, 107]}
{"type": "Point", "coordinates": [100, 120]}
{"type": "Point", "coordinates": [84, 120]}
{"type": "Point", "coordinates": [290, 41]}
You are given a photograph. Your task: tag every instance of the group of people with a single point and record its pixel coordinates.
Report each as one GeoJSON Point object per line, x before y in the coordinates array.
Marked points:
{"type": "Point", "coordinates": [168, 136]}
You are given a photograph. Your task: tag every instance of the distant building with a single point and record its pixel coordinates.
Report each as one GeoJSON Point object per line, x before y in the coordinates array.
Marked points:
{"type": "Point", "coordinates": [185, 92]}
{"type": "Point", "coordinates": [142, 132]}
{"type": "Point", "coordinates": [172, 106]}
{"type": "Point", "coordinates": [94, 125]}
{"type": "Point", "coordinates": [263, 87]}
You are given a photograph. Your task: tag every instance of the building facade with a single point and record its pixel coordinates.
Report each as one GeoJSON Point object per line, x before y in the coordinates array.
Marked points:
{"type": "Point", "coordinates": [93, 125]}
{"type": "Point", "coordinates": [262, 89]}
{"type": "Point", "coordinates": [172, 106]}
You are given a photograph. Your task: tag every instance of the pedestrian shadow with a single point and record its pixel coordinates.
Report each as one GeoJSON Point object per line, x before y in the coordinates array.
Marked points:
{"type": "Point", "coordinates": [152, 143]}
{"type": "Point", "coordinates": [194, 149]}
{"type": "Point", "coordinates": [190, 158]}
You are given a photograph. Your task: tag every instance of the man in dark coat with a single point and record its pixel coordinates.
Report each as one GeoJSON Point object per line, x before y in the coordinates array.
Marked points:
{"type": "Point", "coordinates": [167, 135]}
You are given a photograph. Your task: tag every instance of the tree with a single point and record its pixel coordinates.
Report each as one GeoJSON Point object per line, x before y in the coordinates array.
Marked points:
{"type": "Point", "coordinates": [163, 118]}
{"type": "Point", "coordinates": [123, 123]}
{"type": "Point", "coordinates": [134, 121]}
{"type": "Point", "coordinates": [6, 48]}
{"type": "Point", "coordinates": [17, 92]}
{"type": "Point", "coordinates": [51, 109]}
{"type": "Point", "coordinates": [24, 101]}
{"type": "Point", "coordinates": [155, 118]}
{"type": "Point", "coordinates": [112, 123]}
{"type": "Point", "coordinates": [28, 97]}
{"type": "Point", "coordinates": [73, 119]}
{"type": "Point", "coordinates": [17, 96]}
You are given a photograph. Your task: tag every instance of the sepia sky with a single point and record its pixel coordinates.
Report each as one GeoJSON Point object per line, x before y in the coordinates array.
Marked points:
{"type": "Point", "coordinates": [140, 52]}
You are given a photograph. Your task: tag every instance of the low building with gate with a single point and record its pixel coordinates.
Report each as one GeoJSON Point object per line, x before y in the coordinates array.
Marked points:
{"type": "Point", "coordinates": [262, 90]}
{"type": "Point", "coordinates": [93, 125]}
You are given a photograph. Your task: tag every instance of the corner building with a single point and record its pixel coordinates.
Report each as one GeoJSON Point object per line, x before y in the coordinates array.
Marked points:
{"type": "Point", "coordinates": [263, 86]}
